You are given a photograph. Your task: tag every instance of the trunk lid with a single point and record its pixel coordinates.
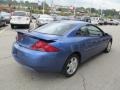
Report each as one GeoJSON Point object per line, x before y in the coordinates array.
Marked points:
{"type": "Point", "coordinates": [26, 39]}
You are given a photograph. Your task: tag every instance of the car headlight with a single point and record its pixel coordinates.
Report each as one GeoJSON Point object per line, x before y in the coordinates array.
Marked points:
{"type": "Point", "coordinates": [12, 18]}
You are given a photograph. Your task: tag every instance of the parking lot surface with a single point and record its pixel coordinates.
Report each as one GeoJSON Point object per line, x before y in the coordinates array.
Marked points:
{"type": "Point", "coordinates": [99, 73]}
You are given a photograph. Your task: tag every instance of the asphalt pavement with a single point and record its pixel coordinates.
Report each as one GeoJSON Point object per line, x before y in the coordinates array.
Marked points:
{"type": "Point", "coordinates": [99, 73]}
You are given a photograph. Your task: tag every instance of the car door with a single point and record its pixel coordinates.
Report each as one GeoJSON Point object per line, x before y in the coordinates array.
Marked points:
{"type": "Point", "coordinates": [92, 41]}
{"type": "Point", "coordinates": [97, 39]}
{"type": "Point", "coordinates": [85, 42]}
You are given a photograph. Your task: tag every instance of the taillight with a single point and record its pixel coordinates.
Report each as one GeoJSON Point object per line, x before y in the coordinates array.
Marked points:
{"type": "Point", "coordinates": [43, 46]}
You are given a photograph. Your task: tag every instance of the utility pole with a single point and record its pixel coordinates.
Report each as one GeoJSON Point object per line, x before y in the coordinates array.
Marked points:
{"type": "Point", "coordinates": [91, 6]}
{"type": "Point", "coordinates": [52, 7]}
{"type": "Point", "coordinates": [10, 5]}
{"type": "Point", "coordinates": [101, 12]}
{"type": "Point", "coordinates": [42, 3]}
{"type": "Point", "coordinates": [101, 6]}
{"type": "Point", "coordinates": [75, 8]}
{"type": "Point", "coordinates": [74, 11]}
{"type": "Point", "coordinates": [44, 6]}
{"type": "Point", "coordinates": [90, 12]}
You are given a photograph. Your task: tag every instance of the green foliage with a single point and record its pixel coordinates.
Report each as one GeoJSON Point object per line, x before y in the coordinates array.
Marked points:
{"type": "Point", "coordinates": [33, 7]}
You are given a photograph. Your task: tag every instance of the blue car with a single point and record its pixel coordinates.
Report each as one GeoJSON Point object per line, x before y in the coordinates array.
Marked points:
{"type": "Point", "coordinates": [60, 46]}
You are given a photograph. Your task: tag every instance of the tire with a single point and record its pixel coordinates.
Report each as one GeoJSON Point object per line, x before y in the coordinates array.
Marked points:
{"type": "Point", "coordinates": [5, 23]}
{"type": "Point", "coordinates": [28, 26]}
{"type": "Point", "coordinates": [108, 48]}
{"type": "Point", "coordinates": [71, 65]}
{"type": "Point", "coordinates": [12, 26]}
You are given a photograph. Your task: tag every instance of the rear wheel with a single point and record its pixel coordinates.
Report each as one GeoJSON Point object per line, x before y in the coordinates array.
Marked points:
{"type": "Point", "coordinates": [71, 65]}
{"type": "Point", "coordinates": [108, 48]}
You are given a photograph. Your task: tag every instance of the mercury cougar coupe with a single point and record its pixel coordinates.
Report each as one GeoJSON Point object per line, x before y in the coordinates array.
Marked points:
{"type": "Point", "coordinates": [60, 46]}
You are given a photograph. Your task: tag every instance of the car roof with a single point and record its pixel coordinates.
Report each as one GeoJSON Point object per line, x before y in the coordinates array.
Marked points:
{"type": "Point", "coordinates": [81, 23]}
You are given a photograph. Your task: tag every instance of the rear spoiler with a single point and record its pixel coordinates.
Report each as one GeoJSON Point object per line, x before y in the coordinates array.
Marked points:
{"type": "Point", "coordinates": [35, 37]}
{"type": "Point", "coordinates": [21, 32]}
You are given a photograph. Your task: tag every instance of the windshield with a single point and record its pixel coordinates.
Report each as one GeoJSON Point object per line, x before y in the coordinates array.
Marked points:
{"type": "Point", "coordinates": [55, 28]}
{"type": "Point", "coordinates": [5, 13]}
{"type": "Point", "coordinates": [19, 14]}
{"type": "Point", "coordinates": [45, 16]}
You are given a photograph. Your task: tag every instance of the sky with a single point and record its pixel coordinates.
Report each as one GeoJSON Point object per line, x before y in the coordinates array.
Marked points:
{"type": "Point", "coordinates": [99, 4]}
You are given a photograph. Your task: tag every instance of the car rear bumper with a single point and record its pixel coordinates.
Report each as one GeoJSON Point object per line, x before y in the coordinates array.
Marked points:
{"type": "Point", "coordinates": [37, 60]}
{"type": "Point", "coordinates": [20, 22]}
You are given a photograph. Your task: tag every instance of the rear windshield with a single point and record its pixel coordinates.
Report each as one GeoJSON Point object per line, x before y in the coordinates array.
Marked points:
{"type": "Point", "coordinates": [55, 28]}
{"type": "Point", "coordinates": [19, 14]}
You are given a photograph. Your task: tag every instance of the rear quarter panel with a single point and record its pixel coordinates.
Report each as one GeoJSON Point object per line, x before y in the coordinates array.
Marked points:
{"type": "Point", "coordinates": [68, 46]}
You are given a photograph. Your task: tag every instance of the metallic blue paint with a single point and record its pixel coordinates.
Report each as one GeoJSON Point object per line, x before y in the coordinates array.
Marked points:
{"type": "Point", "coordinates": [67, 44]}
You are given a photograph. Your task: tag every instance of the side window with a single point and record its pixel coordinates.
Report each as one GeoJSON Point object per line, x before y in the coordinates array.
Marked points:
{"type": "Point", "coordinates": [83, 31]}
{"type": "Point", "coordinates": [94, 31]}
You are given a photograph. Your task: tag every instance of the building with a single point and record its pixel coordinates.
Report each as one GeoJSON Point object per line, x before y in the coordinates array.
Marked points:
{"type": "Point", "coordinates": [6, 8]}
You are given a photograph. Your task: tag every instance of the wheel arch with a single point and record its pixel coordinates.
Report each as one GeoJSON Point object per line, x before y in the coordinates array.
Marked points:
{"type": "Point", "coordinates": [77, 53]}
{"type": "Point", "coordinates": [73, 53]}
